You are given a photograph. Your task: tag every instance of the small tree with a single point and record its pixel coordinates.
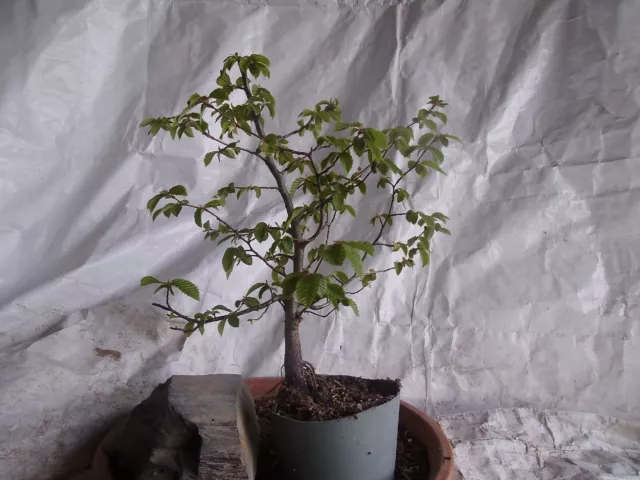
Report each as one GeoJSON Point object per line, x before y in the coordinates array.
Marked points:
{"type": "Point", "coordinates": [324, 176]}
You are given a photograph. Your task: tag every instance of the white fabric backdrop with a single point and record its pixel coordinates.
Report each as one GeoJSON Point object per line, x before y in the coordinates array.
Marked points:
{"type": "Point", "coordinates": [532, 303]}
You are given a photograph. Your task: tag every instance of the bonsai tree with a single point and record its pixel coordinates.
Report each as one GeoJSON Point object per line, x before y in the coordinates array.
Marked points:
{"type": "Point", "coordinates": [331, 163]}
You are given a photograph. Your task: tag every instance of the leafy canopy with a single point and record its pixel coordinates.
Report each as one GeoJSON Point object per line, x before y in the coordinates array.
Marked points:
{"type": "Point", "coordinates": [315, 184]}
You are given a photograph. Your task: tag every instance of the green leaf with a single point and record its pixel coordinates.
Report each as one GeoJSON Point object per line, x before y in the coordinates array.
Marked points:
{"type": "Point", "coordinates": [147, 121]}
{"type": "Point", "coordinates": [334, 254]}
{"type": "Point", "coordinates": [289, 284]}
{"type": "Point", "coordinates": [295, 185]}
{"type": "Point", "coordinates": [179, 190]}
{"type": "Point", "coordinates": [431, 124]}
{"type": "Point", "coordinates": [188, 326]}
{"type": "Point", "coordinates": [197, 217]}
{"type": "Point", "coordinates": [398, 266]}
{"type": "Point", "coordinates": [425, 139]}
{"type": "Point", "coordinates": [186, 287]}
{"type": "Point", "coordinates": [151, 204]}
{"type": "Point", "coordinates": [309, 287]}
{"type": "Point", "coordinates": [362, 186]}
{"type": "Point", "coordinates": [351, 210]}
{"type": "Point", "coordinates": [364, 246]}
{"type": "Point", "coordinates": [434, 166]}
{"type": "Point", "coordinates": [221, 324]}
{"type": "Point", "coordinates": [261, 232]}
{"type": "Point", "coordinates": [354, 306]}
{"type": "Point", "coordinates": [441, 116]}
{"type": "Point", "coordinates": [424, 256]}
{"type": "Point", "coordinates": [355, 259]}
{"type": "Point", "coordinates": [201, 328]}
{"type": "Point", "coordinates": [286, 244]}
{"type": "Point", "coordinates": [148, 280]}
{"type": "Point", "coordinates": [228, 259]}
{"type": "Point", "coordinates": [207, 158]}
{"type": "Point", "coordinates": [335, 294]}
{"type": "Point", "coordinates": [233, 320]}
{"type": "Point", "coordinates": [437, 155]}
{"type": "Point", "coordinates": [359, 146]}
{"type": "Point", "coordinates": [379, 139]}
{"type": "Point", "coordinates": [188, 132]}
{"type": "Point", "coordinates": [252, 302]}
{"type": "Point", "coordinates": [346, 160]}
{"type": "Point", "coordinates": [261, 59]}
{"type": "Point", "coordinates": [412, 217]}
{"type": "Point", "coordinates": [341, 276]}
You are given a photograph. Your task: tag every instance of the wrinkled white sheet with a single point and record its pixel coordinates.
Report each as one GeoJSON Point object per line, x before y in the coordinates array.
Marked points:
{"type": "Point", "coordinates": [532, 303]}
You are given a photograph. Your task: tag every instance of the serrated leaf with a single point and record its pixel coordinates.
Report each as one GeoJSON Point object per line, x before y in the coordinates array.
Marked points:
{"type": "Point", "coordinates": [228, 260]}
{"type": "Point", "coordinates": [431, 124]}
{"type": "Point", "coordinates": [149, 280]}
{"type": "Point", "coordinates": [411, 216]}
{"type": "Point", "coordinates": [186, 287]}
{"type": "Point", "coordinates": [424, 256]}
{"type": "Point", "coordinates": [309, 287]}
{"type": "Point", "coordinates": [341, 276]}
{"type": "Point", "coordinates": [334, 254]}
{"type": "Point", "coordinates": [289, 284]}
{"type": "Point", "coordinates": [355, 259]}
{"type": "Point", "coordinates": [346, 160]}
{"type": "Point", "coordinates": [188, 326]}
{"type": "Point", "coordinates": [354, 306]}
{"type": "Point", "coordinates": [441, 116]}
{"type": "Point", "coordinates": [398, 267]}
{"type": "Point", "coordinates": [434, 166]}
{"type": "Point", "coordinates": [261, 232]}
{"type": "Point", "coordinates": [286, 244]}
{"type": "Point", "coordinates": [421, 170]}
{"type": "Point", "coordinates": [207, 158]}
{"type": "Point", "coordinates": [379, 139]}
{"type": "Point", "coordinates": [221, 325]}
{"type": "Point", "coordinates": [425, 139]}
{"type": "Point", "coordinates": [364, 246]}
{"type": "Point", "coordinates": [179, 190]}
{"type": "Point", "coordinates": [251, 302]}
{"type": "Point", "coordinates": [295, 185]}
{"type": "Point", "coordinates": [151, 204]}
{"type": "Point", "coordinates": [233, 320]}
{"type": "Point", "coordinates": [351, 210]}
{"type": "Point", "coordinates": [261, 59]}
{"type": "Point", "coordinates": [358, 146]}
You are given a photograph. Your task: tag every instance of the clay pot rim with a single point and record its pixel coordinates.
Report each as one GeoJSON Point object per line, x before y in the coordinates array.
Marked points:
{"type": "Point", "coordinates": [408, 413]}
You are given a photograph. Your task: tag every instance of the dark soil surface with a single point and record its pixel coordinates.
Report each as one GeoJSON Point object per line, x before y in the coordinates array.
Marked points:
{"type": "Point", "coordinates": [336, 397]}
{"type": "Point", "coordinates": [332, 397]}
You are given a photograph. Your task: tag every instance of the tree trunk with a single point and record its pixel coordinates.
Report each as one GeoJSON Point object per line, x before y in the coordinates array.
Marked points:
{"type": "Point", "coordinates": [293, 363]}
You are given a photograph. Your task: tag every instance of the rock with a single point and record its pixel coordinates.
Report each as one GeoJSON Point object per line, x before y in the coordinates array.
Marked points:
{"type": "Point", "coordinates": [190, 428]}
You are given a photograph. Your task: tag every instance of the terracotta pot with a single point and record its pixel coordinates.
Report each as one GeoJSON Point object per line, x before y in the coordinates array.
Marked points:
{"type": "Point", "coordinates": [424, 428]}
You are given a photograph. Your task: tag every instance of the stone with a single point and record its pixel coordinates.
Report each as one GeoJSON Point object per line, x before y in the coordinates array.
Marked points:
{"type": "Point", "coordinates": [200, 427]}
